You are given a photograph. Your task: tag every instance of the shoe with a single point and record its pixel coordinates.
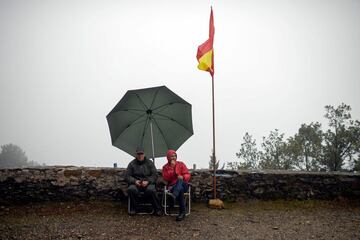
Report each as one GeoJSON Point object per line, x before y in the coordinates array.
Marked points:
{"type": "Point", "coordinates": [132, 212]}
{"type": "Point", "coordinates": [158, 212]}
{"type": "Point", "coordinates": [180, 217]}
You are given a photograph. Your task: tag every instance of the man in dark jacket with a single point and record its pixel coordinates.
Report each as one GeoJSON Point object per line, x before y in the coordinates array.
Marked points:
{"type": "Point", "coordinates": [141, 176]}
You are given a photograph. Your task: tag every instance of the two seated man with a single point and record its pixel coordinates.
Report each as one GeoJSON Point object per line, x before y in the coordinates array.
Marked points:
{"type": "Point", "coordinates": [141, 176]}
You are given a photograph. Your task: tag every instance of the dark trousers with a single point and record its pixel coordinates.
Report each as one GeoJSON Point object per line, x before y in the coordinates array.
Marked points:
{"type": "Point", "coordinates": [178, 191]}
{"type": "Point", "coordinates": [150, 193]}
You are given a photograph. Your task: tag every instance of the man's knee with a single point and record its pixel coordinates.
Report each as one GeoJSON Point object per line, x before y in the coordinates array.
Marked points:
{"type": "Point", "coordinates": [132, 189]}
{"type": "Point", "coordinates": [150, 189]}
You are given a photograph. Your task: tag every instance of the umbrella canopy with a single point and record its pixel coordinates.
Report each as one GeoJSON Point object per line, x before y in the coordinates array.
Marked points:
{"type": "Point", "coordinates": [155, 119]}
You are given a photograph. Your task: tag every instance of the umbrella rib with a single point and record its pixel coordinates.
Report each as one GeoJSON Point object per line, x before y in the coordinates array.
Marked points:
{"type": "Point", "coordinates": [132, 111]}
{"type": "Point", "coordinates": [169, 118]}
{"type": "Point", "coordinates": [139, 117]}
{"type": "Point", "coordinates": [167, 104]}
{"type": "Point", "coordinates": [154, 98]}
{"type": "Point", "coordinates": [145, 127]}
{"type": "Point", "coordinates": [144, 105]}
{"type": "Point", "coordinates": [133, 123]}
{"type": "Point", "coordinates": [161, 132]}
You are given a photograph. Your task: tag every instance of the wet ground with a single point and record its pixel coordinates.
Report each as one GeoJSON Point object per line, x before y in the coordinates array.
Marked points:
{"type": "Point", "coordinates": [246, 220]}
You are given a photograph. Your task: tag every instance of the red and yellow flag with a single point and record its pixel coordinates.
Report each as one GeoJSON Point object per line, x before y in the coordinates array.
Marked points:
{"type": "Point", "coordinates": [205, 53]}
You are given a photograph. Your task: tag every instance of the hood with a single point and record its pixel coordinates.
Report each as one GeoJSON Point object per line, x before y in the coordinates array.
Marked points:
{"type": "Point", "coordinates": [169, 154]}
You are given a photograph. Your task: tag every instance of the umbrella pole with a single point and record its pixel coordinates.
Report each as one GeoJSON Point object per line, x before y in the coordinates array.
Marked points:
{"type": "Point", "coordinates": [152, 142]}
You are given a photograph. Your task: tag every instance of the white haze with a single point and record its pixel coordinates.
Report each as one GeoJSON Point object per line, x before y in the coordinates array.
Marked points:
{"type": "Point", "coordinates": [65, 64]}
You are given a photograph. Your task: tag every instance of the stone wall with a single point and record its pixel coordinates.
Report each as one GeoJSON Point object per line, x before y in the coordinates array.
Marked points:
{"type": "Point", "coordinates": [78, 183]}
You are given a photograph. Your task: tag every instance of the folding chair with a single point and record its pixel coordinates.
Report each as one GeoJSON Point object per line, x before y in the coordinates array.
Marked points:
{"type": "Point", "coordinates": [173, 212]}
{"type": "Point", "coordinates": [143, 205]}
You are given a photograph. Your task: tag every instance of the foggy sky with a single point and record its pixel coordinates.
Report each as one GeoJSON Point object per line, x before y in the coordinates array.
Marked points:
{"type": "Point", "coordinates": [65, 64]}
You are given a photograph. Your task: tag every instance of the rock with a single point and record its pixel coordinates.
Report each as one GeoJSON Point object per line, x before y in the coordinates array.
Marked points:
{"type": "Point", "coordinates": [196, 234]}
{"type": "Point", "coordinates": [72, 173]}
{"type": "Point", "coordinates": [259, 191]}
{"type": "Point", "coordinates": [216, 203]}
{"type": "Point", "coordinates": [74, 183]}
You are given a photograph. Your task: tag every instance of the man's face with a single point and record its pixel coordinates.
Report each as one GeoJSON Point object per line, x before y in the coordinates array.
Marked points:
{"type": "Point", "coordinates": [173, 157]}
{"type": "Point", "coordinates": [140, 156]}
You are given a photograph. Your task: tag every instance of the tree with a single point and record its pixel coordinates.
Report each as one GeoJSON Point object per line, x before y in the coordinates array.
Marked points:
{"type": "Point", "coordinates": [355, 129]}
{"type": "Point", "coordinates": [213, 163]}
{"type": "Point", "coordinates": [356, 165]}
{"type": "Point", "coordinates": [341, 140]}
{"type": "Point", "coordinates": [273, 152]}
{"type": "Point", "coordinates": [248, 155]}
{"type": "Point", "coordinates": [12, 156]}
{"type": "Point", "coordinates": [307, 145]}
{"type": "Point", "coordinates": [291, 153]}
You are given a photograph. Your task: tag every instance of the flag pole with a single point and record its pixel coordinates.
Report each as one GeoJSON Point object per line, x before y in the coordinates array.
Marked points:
{"type": "Point", "coordinates": [205, 57]}
{"type": "Point", "coordinates": [213, 118]}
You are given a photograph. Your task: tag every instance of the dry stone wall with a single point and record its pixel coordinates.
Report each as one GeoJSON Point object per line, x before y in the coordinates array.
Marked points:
{"type": "Point", "coordinates": [79, 183]}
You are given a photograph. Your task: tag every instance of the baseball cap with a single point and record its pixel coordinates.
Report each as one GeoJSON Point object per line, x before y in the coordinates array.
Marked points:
{"type": "Point", "coordinates": [139, 150]}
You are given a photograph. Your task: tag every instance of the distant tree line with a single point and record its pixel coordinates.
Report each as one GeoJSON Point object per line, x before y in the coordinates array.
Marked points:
{"type": "Point", "coordinates": [12, 156]}
{"type": "Point", "coordinates": [310, 149]}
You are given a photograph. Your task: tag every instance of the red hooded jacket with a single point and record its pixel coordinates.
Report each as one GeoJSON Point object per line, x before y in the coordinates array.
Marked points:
{"type": "Point", "coordinates": [170, 174]}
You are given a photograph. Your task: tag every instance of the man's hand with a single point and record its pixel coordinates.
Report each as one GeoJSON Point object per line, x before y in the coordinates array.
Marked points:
{"type": "Point", "coordinates": [138, 183]}
{"type": "Point", "coordinates": [144, 183]}
{"type": "Point", "coordinates": [180, 177]}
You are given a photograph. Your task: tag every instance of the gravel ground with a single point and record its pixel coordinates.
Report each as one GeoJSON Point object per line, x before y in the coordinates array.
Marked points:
{"type": "Point", "coordinates": [247, 220]}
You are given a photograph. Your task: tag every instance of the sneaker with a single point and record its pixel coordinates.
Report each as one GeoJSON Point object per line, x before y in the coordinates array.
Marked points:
{"type": "Point", "coordinates": [158, 212]}
{"type": "Point", "coordinates": [132, 212]}
{"type": "Point", "coordinates": [180, 217]}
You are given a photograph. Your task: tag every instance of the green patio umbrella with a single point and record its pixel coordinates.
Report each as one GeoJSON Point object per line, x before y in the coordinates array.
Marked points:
{"type": "Point", "coordinates": [155, 119]}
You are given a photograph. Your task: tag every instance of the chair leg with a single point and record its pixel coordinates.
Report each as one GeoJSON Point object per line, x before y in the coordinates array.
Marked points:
{"type": "Point", "coordinates": [165, 203]}
{"type": "Point", "coordinates": [189, 204]}
{"type": "Point", "coordinates": [129, 204]}
{"type": "Point", "coordinates": [140, 204]}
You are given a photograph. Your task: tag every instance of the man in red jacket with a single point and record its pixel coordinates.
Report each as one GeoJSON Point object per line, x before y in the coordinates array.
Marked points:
{"type": "Point", "coordinates": [177, 175]}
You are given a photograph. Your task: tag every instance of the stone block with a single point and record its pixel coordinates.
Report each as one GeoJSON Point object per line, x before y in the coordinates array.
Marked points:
{"type": "Point", "coordinates": [72, 173]}
{"type": "Point", "coordinates": [95, 173]}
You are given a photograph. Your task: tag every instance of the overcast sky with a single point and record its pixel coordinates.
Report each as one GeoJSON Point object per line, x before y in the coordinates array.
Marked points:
{"type": "Point", "coordinates": [65, 64]}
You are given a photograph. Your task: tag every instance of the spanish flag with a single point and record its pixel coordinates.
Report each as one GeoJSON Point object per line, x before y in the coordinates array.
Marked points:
{"type": "Point", "coordinates": [205, 53]}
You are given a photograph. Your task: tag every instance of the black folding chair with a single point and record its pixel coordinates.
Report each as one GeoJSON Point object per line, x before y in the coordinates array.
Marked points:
{"type": "Point", "coordinates": [143, 205]}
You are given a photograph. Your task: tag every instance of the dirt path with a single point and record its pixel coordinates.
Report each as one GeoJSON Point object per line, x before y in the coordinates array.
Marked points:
{"type": "Point", "coordinates": [251, 220]}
